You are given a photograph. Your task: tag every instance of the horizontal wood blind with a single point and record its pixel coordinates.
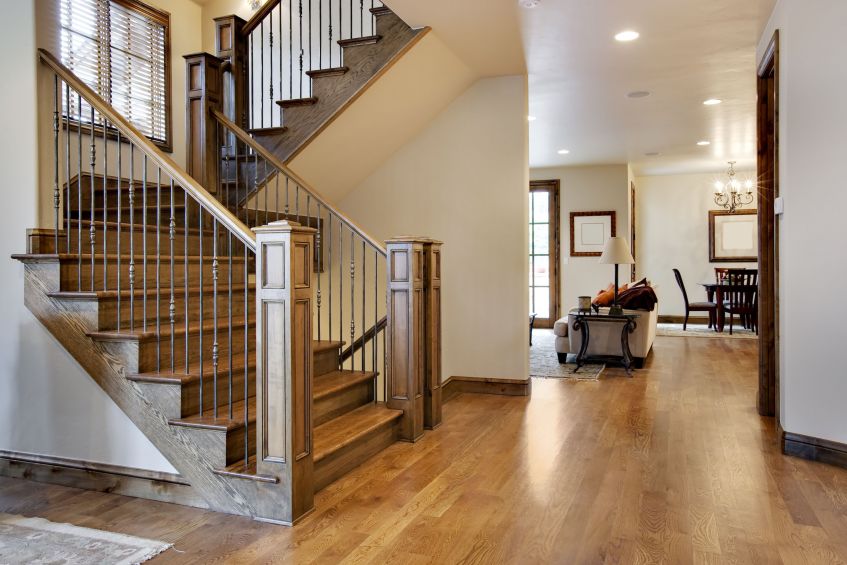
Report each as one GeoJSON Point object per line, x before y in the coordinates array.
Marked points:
{"type": "Point", "coordinates": [119, 48]}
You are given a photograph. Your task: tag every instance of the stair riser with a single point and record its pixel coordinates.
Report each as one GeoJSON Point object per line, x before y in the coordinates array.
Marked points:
{"type": "Point", "coordinates": [182, 401]}
{"type": "Point", "coordinates": [111, 196]}
{"type": "Point", "coordinates": [113, 214]}
{"type": "Point", "coordinates": [147, 351]}
{"type": "Point", "coordinates": [138, 239]}
{"type": "Point", "coordinates": [346, 459]}
{"type": "Point", "coordinates": [218, 447]}
{"type": "Point", "coordinates": [329, 407]}
{"type": "Point", "coordinates": [69, 273]}
{"type": "Point", "coordinates": [109, 308]}
{"type": "Point", "coordinates": [325, 361]}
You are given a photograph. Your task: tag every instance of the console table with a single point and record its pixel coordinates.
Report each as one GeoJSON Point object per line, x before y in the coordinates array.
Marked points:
{"type": "Point", "coordinates": [583, 321]}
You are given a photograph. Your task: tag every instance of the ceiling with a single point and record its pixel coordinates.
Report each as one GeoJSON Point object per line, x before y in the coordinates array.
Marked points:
{"type": "Point", "coordinates": [579, 76]}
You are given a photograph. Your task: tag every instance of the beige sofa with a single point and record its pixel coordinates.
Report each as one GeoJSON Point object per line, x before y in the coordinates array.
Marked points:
{"type": "Point", "coordinates": [606, 338]}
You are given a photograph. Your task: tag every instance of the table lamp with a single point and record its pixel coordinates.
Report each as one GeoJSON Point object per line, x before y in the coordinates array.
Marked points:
{"type": "Point", "coordinates": [616, 252]}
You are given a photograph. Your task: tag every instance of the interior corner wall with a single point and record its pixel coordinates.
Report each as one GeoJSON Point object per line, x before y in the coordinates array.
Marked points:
{"type": "Point", "coordinates": [588, 189]}
{"type": "Point", "coordinates": [812, 114]}
{"type": "Point", "coordinates": [672, 231]}
{"type": "Point", "coordinates": [464, 180]}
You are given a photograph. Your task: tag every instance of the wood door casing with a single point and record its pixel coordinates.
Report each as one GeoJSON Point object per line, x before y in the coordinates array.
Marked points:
{"type": "Point", "coordinates": [552, 188]}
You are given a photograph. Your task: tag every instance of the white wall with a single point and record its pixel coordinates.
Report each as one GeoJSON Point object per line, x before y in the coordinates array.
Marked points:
{"type": "Point", "coordinates": [672, 230]}
{"type": "Point", "coordinates": [812, 114]}
{"type": "Point", "coordinates": [48, 404]}
{"type": "Point", "coordinates": [464, 180]}
{"type": "Point", "coordinates": [588, 189]}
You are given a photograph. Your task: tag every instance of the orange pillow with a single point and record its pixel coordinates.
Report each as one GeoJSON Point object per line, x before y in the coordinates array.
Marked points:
{"type": "Point", "coordinates": [607, 297]}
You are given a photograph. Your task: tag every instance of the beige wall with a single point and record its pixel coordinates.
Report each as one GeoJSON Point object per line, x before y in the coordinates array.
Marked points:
{"type": "Point", "coordinates": [464, 180]}
{"type": "Point", "coordinates": [587, 189]}
{"type": "Point", "coordinates": [48, 404]}
{"type": "Point", "coordinates": [812, 114]}
{"type": "Point", "coordinates": [672, 230]}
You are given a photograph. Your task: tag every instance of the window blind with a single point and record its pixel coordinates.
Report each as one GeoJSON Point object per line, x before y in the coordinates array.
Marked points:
{"type": "Point", "coordinates": [120, 52]}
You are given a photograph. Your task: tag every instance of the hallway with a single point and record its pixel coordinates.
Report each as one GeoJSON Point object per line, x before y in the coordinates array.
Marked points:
{"type": "Point", "coordinates": [671, 466]}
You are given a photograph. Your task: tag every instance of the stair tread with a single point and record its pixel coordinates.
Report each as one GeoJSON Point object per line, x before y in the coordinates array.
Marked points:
{"type": "Point", "coordinates": [381, 10]}
{"type": "Point", "coordinates": [165, 330]}
{"type": "Point", "coordinates": [277, 130]}
{"type": "Point", "coordinates": [350, 427]}
{"type": "Point", "coordinates": [222, 422]}
{"type": "Point", "coordinates": [126, 256]}
{"type": "Point", "coordinates": [366, 40]}
{"type": "Point", "coordinates": [319, 346]}
{"type": "Point", "coordinates": [179, 290]}
{"type": "Point", "coordinates": [242, 470]}
{"type": "Point", "coordinates": [182, 378]}
{"type": "Point", "coordinates": [332, 71]}
{"type": "Point", "coordinates": [335, 381]}
{"type": "Point", "coordinates": [163, 227]}
{"type": "Point", "coordinates": [297, 102]}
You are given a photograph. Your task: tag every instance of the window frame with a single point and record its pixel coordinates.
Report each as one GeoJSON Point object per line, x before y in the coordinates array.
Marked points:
{"type": "Point", "coordinates": [163, 18]}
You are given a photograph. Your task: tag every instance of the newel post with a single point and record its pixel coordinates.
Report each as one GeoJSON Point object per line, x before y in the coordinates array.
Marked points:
{"type": "Point", "coordinates": [405, 355]}
{"type": "Point", "coordinates": [231, 47]}
{"type": "Point", "coordinates": [284, 365]}
{"type": "Point", "coordinates": [203, 92]}
{"type": "Point", "coordinates": [432, 337]}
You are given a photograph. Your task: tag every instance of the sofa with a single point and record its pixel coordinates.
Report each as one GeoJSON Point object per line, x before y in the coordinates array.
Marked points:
{"type": "Point", "coordinates": [606, 338]}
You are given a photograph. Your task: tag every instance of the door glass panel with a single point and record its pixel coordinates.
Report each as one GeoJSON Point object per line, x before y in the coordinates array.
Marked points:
{"type": "Point", "coordinates": [541, 276]}
{"type": "Point", "coordinates": [540, 211]}
{"type": "Point", "coordinates": [541, 239]}
{"type": "Point", "coordinates": [541, 271]}
{"type": "Point", "coordinates": [542, 302]}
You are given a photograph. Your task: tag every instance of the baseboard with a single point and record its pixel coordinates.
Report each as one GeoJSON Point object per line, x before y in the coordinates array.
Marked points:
{"type": "Point", "coordinates": [668, 319]}
{"type": "Point", "coordinates": [814, 449]}
{"type": "Point", "coordinates": [101, 477]}
{"type": "Point", "coordinates": [455, 385]}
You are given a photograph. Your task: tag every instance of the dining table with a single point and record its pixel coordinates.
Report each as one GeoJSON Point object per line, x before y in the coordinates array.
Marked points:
{"type": "Point", "coordinates": [715, 293]}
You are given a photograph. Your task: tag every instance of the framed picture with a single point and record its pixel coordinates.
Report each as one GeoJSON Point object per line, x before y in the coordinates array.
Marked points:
{"type": "Point", "coordinates": [590, 231]}
{"type": "Point", "coordinates": [733, 238]}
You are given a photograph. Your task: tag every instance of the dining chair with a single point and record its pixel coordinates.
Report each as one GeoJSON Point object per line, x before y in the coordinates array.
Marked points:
{"type": "Point", "coordinates": [742, 298]}
{"type": "Point", "coordinates": [720, 274]}
{"type": "Point", "coordinates": [710, 307]}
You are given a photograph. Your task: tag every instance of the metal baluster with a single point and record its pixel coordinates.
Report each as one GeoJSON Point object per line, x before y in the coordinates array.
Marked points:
{"type": "Point", "coordinates": [92, 230]}
{"type": "Point", "coordinates": [252, 79]}
{"type": "Point", "coordinates": [255, 190]}
{"type": "Point", "coordinates": [329, 274]}
{"type": "Point", "coordinates": [320, 265]}
{"type": "Point", "coordinates": [310, 45]}
{"type": "Point", "coordinates": [364, 303]}
{"type": "Point", "coordinates": [352, 298]}
{"type": "Point", "coordinates": [261, 72]}
{"type": "Point", "coordinates": [350, 14]}
{"type": "Point", "coordinates": [144, 241]}
{"type": "Point", "coordinates": [280, 61]}
{"type": "Point", "coordinates": [300, 76]}
{"type": "Point", "coordinates": [362, 19]}
{"type": "Point", "coordinates": [79, 192]}
{"type": "Point", "coordinates": [200, 318]}
{"type": "Point", "coordinates": [276, 190]}
{"type": "Point", "coordinates": [340, 280]}
{"type": "Point", "coordinates": [215, 314]}
{"type": "Point", "coordinates": [246, 357]}
{"type": "Point", "coordinates": [186, 226]}
{"type": "Point", "coordinates": [270, 69]}
{"type": "Point", "coordinates": [329, 39]}
{"type": "Point", "coordinates": [297, 201]}
{"type": "Point", "coordinates": [320, 43]}
{"type": "Point", "coordinates": [56, 199]}
{"type": "Point", "coordinates": [67, 166]}
{"type": "Point", "coordinates": [172, 304]}
{"type": "Point", "coordinates": [287, 197]}
{"type": "Point", "coordinates": [376, 313]}
{"type": "Point", "coordinates": [131, 198]}
{"type": "Point", "coordinates": [158, 268]}
{"type": "Point", "coordinates": [237, 185]}
{"type": "Point", "coordinates": [229, 313]}
{"type": "Point", "coordinates": [290, 51]}
{"type": "Point", "coordinates": [105, 204]}
{"type": "Point", "coordinates": [266, 190]}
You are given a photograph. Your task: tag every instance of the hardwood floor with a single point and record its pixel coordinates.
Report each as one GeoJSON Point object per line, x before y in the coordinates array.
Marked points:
{"type": "Point", "coordinates": [672, 466]}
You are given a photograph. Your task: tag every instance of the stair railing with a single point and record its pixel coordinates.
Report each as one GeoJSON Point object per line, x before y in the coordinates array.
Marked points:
{"type": "Point", "coordinates": [143, 234]}
{"type": "Point", "coordinates": [277, 49]}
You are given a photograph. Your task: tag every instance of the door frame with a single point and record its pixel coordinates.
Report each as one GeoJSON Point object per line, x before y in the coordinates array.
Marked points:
{"type": "Point", "coordinates": [551, 186]}
{"type": "Point", "coordinates": [767, 133]}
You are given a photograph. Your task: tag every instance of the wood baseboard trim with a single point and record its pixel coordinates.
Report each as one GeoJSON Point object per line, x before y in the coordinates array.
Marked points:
{"type": "Point", "coordinates": [456, 385]}
{"type": "Point", "coordinates": [101, 477]}
{"type": "Point", "coordinates": [814, 449]}
{"type": "Point", "coordinates": [668, 319]}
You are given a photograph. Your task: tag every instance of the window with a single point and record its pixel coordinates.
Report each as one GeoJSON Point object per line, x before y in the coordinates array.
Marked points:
{"type": "Point", "coordinates": [544, 252]}
{"type": "Point", "coordinates": [120, 49]}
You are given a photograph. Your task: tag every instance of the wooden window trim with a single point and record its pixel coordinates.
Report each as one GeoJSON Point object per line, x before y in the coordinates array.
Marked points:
{"type": "Point", "coordinates": [554, 246]}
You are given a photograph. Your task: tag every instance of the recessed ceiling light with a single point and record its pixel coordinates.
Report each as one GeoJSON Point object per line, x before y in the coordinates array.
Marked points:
{"type": "Point", "coordinates": [627, 35]}
{"type": "Point", "coordinates": [712, 102]}
{"type": "Point", "coordinates": [704, 143]}
{"type": "Point", "coordinates": [652, 154]}
{"type": "Point", "coordinates": [529, 3]}
{"type": "Point", "coordinates": [530, 118]}
{"type": "Point", "coordinates": [638, 94]}
{"type": "Point", "coordinates": [563, 151]}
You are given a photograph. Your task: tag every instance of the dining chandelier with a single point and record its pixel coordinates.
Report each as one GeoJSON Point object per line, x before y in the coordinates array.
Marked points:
{"type": "Point", "coordinates": [729, 195]}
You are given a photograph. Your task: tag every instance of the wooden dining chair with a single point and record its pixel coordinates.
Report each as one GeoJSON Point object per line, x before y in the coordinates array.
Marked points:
{"type": "Point", "coordinates": [742, 298]}
{"type": "Point", "coordinates": [710, 307]}
{"type": "Point", "coordinates": [721, 274]}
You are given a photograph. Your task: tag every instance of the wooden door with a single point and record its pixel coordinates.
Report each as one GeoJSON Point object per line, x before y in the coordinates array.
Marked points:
{"type": "Point", "coordinates": [544, 252]}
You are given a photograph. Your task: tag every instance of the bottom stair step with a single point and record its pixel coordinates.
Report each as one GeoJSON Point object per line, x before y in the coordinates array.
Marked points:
{"type": "Point", "coordinates": [247, 471]}
{"type": "Point", "coordinates": [345, 442]}
{"type": "Point", "coordinates": [223, 438]}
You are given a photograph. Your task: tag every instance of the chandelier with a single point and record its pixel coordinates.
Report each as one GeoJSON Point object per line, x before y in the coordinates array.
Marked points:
{"type": "Point", "coordinates": [729, 196]}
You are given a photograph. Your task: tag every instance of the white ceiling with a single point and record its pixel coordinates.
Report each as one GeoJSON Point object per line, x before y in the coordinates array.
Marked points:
{"type": "Point", "coordinates": [689, 50]}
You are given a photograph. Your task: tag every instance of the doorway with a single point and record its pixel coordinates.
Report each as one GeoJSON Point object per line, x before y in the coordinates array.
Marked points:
{"type": "Point", "coordinates": [544, 252]}
{"type": "Point", "coordinates": [768, 178]}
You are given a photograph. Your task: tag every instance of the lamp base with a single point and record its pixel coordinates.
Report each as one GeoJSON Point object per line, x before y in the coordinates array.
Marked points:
{"type": "Point", "coordinates": [615, 310]}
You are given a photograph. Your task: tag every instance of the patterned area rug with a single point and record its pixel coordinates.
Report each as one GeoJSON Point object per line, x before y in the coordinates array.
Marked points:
{"type": "Point", "coordinates": [544, 363]}
{"type": "Point", "coordinates": [36, 540]}
{"type": "Point", "coordinates": [699, 330]}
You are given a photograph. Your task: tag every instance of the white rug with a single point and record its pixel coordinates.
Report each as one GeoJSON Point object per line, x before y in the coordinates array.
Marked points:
{"type": "Point", "coordinates": [701, 330]}
{"type": "Point", "coordinates": [40, 541]}
{"type": "Point", "coordinates": [544, 363]}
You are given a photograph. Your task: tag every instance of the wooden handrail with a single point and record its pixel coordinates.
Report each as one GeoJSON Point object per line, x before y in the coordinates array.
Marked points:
{"type": "Point", "coordinates": [245, 137]}
{"type": "Point", "coordinates": [257, 18]}
{"type": "Point", "coordinates": [362, 339]}
{"type": "Point", "coordinates": [180, 177]}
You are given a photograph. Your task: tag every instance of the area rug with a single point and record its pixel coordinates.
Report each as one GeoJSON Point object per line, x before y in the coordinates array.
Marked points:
{"type": "Point", "coordinates": [699, 330]}
{"type": "Point", "coordinates": [544, 363]}
{"type": "Point", "coordinates": [36, 540]}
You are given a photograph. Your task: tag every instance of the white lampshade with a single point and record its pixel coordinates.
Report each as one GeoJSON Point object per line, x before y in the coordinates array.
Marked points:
{"type": "Point", "coordinates": [617, 252]}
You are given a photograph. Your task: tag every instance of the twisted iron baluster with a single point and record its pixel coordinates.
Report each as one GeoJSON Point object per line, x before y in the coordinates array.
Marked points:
{"type": "Point", "coordinates": [67, 167]}
{"type": "Point", "coordinates": [144, 242]}
{"type": "Point", "coordinates": [131, 198]}
{"type": "Point", "coordinates": [172, 304]}
{"type": "Point", "coordinates": [120, 213]}
{"type": "Point", "coordinates": [158, 268]}
{"type": "Point", "coordinates": [105, 204]}
{"type": "Point", "coordinates": [300, 76]}
{"type": "Point", "coordinates": [56, 199]}
{"type": "Point", "coordinates": [79, 192]}
{"type": "Point", "coordinates": [215, 314]}
{"type": "Point", "coordinates": [352, 298]}
{"type": "Point", "coordinates": [92, 230]}
{"type": "Point", "coordinates": [319, 266]}
{"type": "Point", "coordinates": [364, 304]}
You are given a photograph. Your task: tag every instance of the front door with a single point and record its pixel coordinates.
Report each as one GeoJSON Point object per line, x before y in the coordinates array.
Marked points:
{"type": "Point", "coordinates": [544, 252]}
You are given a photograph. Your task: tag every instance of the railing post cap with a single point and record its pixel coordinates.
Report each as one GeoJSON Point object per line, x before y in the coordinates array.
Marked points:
{"type": "Point", "coordinates": [283, 226]}
{"type": "Point", "coordinates": [202, 55]}
{"type": "Point", "coordinates": [411, 239]}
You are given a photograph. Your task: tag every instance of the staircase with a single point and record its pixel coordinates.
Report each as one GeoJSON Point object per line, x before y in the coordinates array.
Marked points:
{"type": "Point", "coordinates": [262, 365]}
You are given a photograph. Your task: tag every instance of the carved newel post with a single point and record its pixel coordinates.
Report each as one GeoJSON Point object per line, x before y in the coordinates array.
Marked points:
{"type": "Point", "coordinates": [432, 337]}
{"type": "Point", "coordinates": [203, 91]}
{"type": "Point", "coordinates": [284, 365]}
